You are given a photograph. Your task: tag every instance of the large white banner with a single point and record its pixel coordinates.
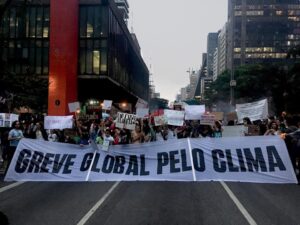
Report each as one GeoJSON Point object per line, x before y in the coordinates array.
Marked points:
{"type": "Point", "coordinates": [194, 112]}
{"type": "Point", "coordinates": [255, 110]}
{"type": "Point", "coordinates": [261, 159]}
{"type": "Point", "coordinates": [58, 122]}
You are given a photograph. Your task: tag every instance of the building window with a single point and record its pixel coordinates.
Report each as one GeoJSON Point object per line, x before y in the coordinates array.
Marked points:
{"type": "Point", "coordinates": [93, 40]}
{"type": "Point", "coordinates": [24, 37]}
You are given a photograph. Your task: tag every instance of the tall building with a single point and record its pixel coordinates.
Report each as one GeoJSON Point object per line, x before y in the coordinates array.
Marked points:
{"type": "Point", "coordinates": [212, 44]}
{"type": "Point", "coordinates": [216, 64]}
{"type": "Point", "coordinates": [222, 49]}
{"type": "Point", "coordinates": [202, 74]}
{"type": "Point", "coordinates": [83, 47]}
{"type": "Point", "coordinates": [261, 31]}
{"type": "Point", "coordinates": [194, 75]}
{"type": "Point", "coordinates": [124, 8]}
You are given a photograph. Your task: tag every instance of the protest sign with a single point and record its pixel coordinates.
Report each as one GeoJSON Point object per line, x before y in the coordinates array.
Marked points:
{"type": "Point", "coordinates": [262, 159]}
{"type": "Point", "coordinates": [58, 122]}
{"type": "Point", "coordinates": [194, 112]}
{"type": "Point", "coordinates": [208, 119]}
{"type": "Point", "coordinates": [254, 111]}
{"type": "Point", "coordinates": [107, 104]}
{"type": "Point", "coordinates": [125, 120]}
{"type": "Point", "coordinates": [142, 112]}
{"type": "Point", "coordinates": [141, 104]}
{"type": "Point", "coordinates": [233, 131]}
{"type": "Point", "coordinates": [6, 119]}
{"type": "Point", "coordinates": [159, 120]}
{"type": "Point", "coordinates": [174, 117]}
{"type": "Point", "coordinates": [73, 106]}
{"type": "Point", "coordinates": [218, 115]}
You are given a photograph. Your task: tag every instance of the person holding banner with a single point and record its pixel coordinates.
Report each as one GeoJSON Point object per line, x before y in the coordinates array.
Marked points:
{"type": "Point", "coordinates": [14, 136]}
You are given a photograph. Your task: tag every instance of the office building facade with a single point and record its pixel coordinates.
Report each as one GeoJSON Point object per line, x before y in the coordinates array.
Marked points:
{"type": "Point", "coordinates": [212, 44]}
{"type": "Point", "coordinates": [83, 47]}
{"type": "Point", "coordinates": [261, 31]}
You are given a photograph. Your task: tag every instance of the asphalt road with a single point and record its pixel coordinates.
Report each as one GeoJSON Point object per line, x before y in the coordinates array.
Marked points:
{"type": "Point", "coordinates": [150, 203]}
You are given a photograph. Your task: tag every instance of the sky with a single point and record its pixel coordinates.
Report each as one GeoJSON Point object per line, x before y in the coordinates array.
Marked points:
{"type": "Point", "coordinates": [173, 35]}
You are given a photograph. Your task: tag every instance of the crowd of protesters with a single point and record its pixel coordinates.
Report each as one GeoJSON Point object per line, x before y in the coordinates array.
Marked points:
{"type": "Point", "coordinates": [100, 131]}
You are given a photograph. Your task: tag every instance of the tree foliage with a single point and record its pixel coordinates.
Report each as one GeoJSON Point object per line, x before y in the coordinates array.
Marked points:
{"type": "Point", "coordinates": [254, 82]}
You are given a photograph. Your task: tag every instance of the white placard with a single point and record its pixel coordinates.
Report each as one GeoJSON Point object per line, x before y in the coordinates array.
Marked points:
{"type": "Point", "coordinates": [58, 122]}
{"type": "Point", "coordinates": [73, 106]}
{"type": "Point", "coordinates": [255, 110]}
{"type": "Point", "coordinates": [194, 112]}
{"type": "Point", "coordinates": [233, 131]}
{"type": "Point", "coordinates": [142, 112]}
{"type": "Point", "coordinates": [208, 119]}
{"type": "Point", "coordinates": [141, 104]}
{"type": "Point", "coordinates": [174, 117]}
{"type": "Point", "coordinates": [6, 119]}
{"type": "Point", "coordinates": [125, 120]}
{"type": "Point", "coordinates": [107, 104]}
{"type": "Point", "coordinates": [159, 120]}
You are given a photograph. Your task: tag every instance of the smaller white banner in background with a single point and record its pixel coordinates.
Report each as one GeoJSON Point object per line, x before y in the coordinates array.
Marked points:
{"type": "Point", "coordinates": [174, 117]}
{"type": "Point", "coordinates": [58, 122]}
{"type": "Point", "coordinates": [233, 131]}
{"type": "Point", "coordinates": [255, 110]}
{"type": "Point", "coordinates": [194, 112]}
{"type": "Point", "coordinates": [142, 112]}
{"type": "Point", "coordinates": [73, 106]}
{"type": "Point", "coordinates": [208, 119]}
{"type": "Point", "coordinates": [125, 120]}
{"type": "Point", "coordinates": [107, 104]}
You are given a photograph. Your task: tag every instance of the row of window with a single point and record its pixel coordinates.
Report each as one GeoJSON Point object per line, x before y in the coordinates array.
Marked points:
{"type": "Point", "coordinates": [23, 57]}
{"type": "Point", "coordinates": [32, 23]}
{"type": "Point", "coordinates": [289, 13]}
{"type": "Point", "coordinates": [262, 56]}
{"type": "Point", "coordinates": [256, 49]}
{"type": "Point", "coordinates": [265, 6]}
{"type": "Point", "coordinates": [93, 22]}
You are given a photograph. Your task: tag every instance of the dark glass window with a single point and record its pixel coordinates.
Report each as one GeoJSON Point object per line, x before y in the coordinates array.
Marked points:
{"type": "Point", "coordinates": [93, 40]}
{"type": "Point", "coordinates": [24, 36]}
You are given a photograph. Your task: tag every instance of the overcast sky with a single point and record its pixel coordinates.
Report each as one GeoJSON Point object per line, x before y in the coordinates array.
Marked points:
{"type": "Point", "coordinates": [173, 35]}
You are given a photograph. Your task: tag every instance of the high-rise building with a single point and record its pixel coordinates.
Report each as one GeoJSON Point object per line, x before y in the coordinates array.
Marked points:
{"type": "Point", "coordinates": [222, 49]}
{"type": "Point", "coordinates": [261, 31]}
{"type": "Point", "coordinates": [194, 76]}
{"type": "Point", "coordinates": [212, 44]}
{"type": "Point", "coordinates": [124, 8]}
{"type": "Point", "coordinates": [216, 64]}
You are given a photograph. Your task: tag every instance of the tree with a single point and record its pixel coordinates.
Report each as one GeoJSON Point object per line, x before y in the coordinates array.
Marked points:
{"type": "Point", "coordinates": [27, 90]}
{"type": "Point", "coordinates": [220, 89]}
{"type": "Point", "coordinates": [254, 82]}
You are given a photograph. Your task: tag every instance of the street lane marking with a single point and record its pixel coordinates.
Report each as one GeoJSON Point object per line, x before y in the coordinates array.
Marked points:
{"type": "Point", "coordinates": [97, 205]}
{"type": "Point", "coordinates": [6, 188]}
{"type": "Point", "coordinates": [245, 213]}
